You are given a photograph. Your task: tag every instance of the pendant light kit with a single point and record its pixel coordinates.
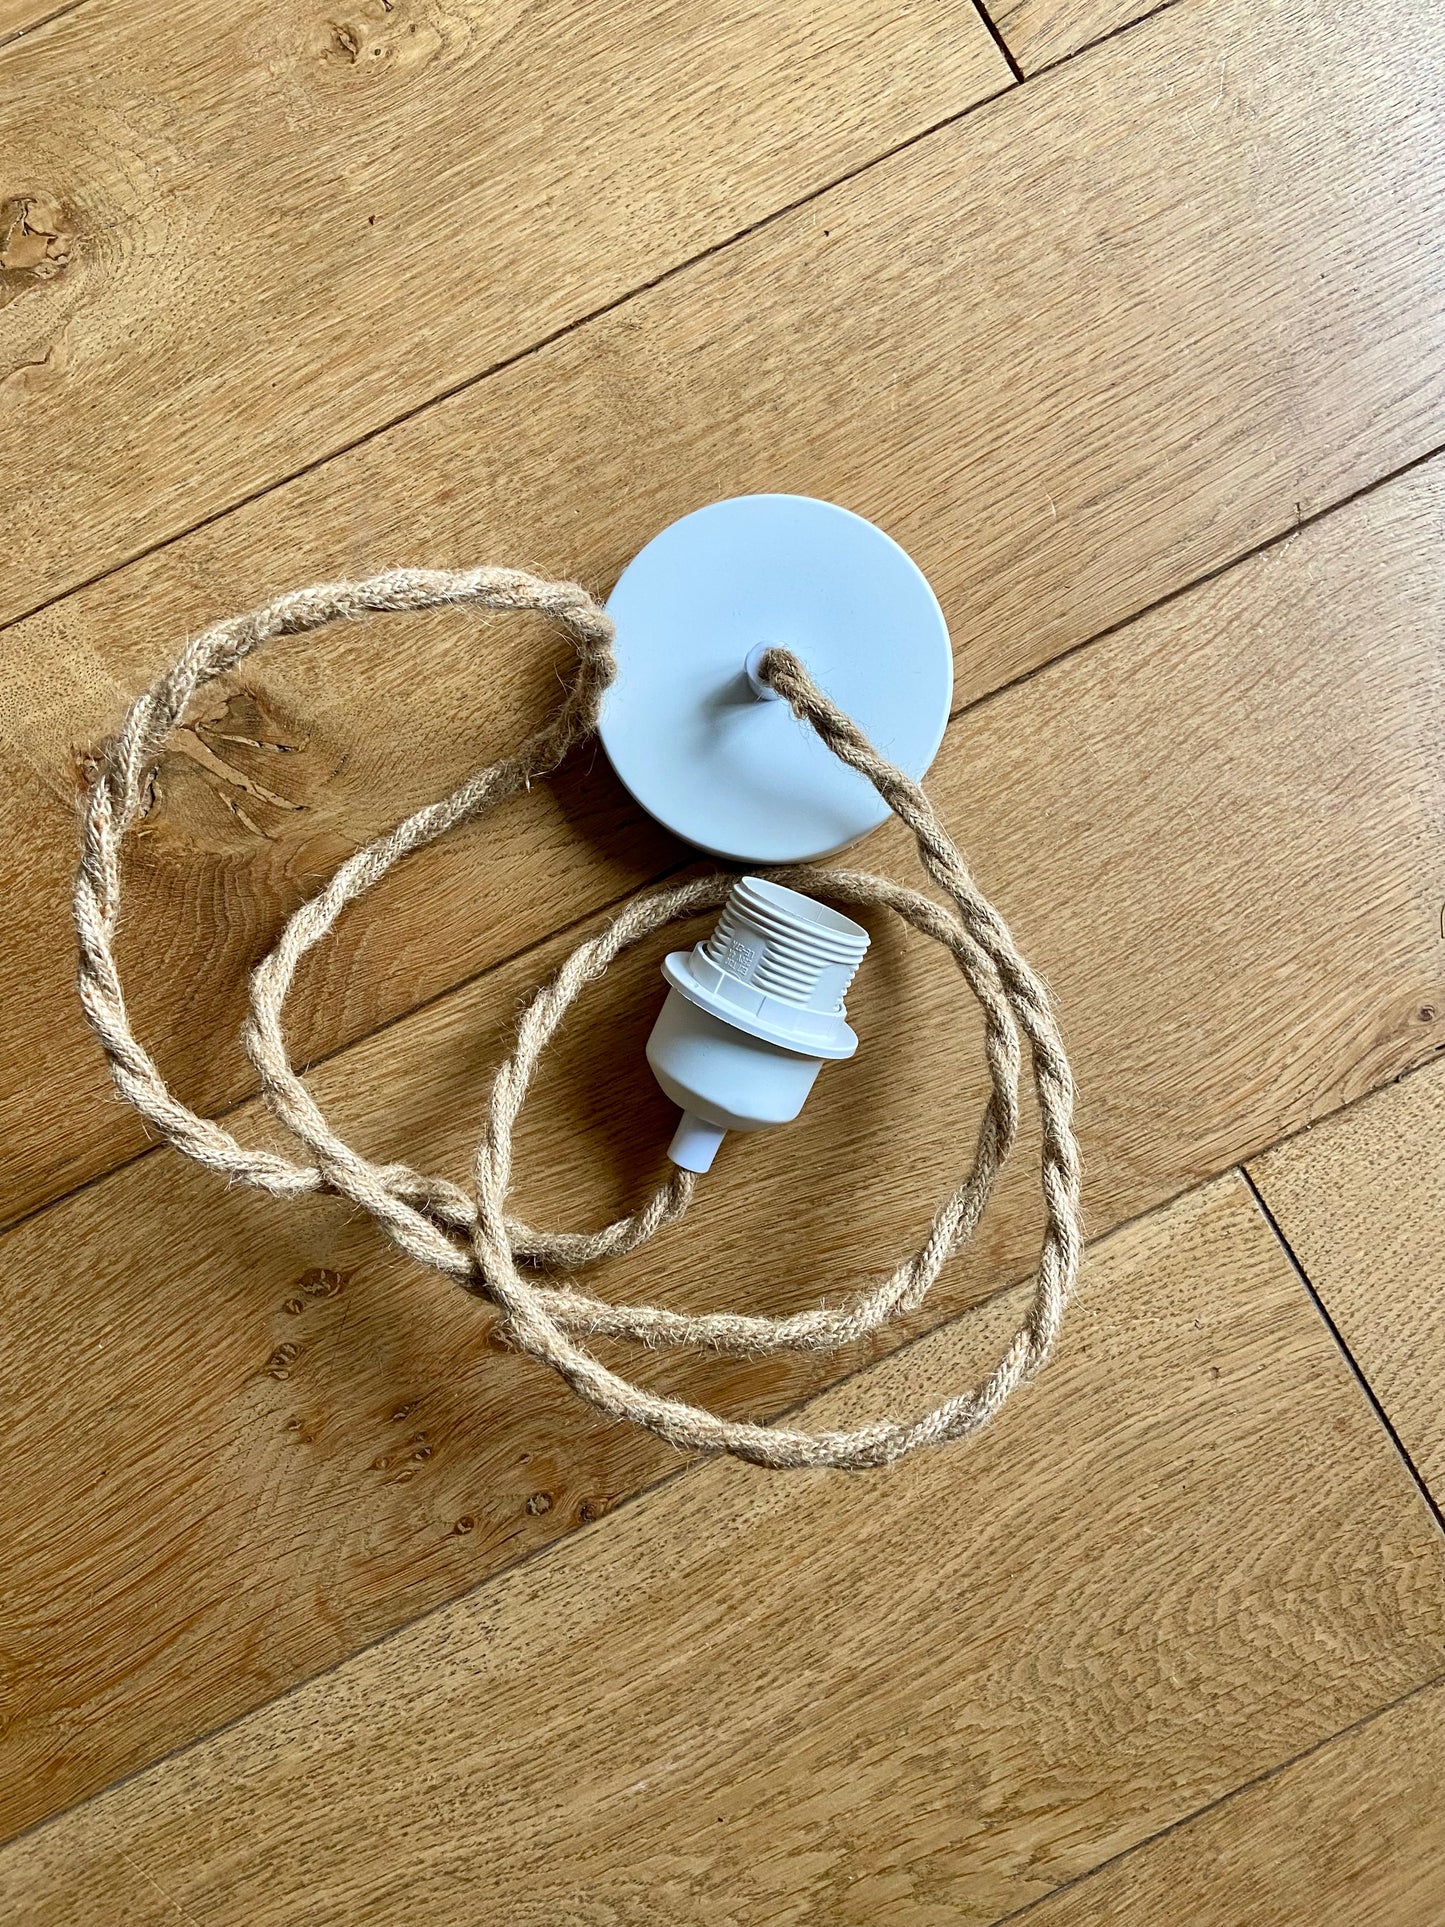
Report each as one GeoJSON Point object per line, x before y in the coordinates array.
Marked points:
{"type": "Point", "coordinates": [771, 678]}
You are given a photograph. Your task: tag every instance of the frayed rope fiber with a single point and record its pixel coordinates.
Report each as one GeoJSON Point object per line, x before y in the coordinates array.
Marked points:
{"type": "Point", "coordinates": [470, 1236]}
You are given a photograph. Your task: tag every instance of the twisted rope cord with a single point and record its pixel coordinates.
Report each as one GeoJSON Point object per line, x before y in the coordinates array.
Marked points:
{"type": "Point", "coordinates": [471, 1237]}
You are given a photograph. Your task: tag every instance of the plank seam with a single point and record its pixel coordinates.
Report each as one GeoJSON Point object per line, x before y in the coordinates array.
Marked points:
{"type": "Point", "coordinates": [1430, 1056]}
{"type": "Point", "coordinates": [696, 1463]}
{"type": "Point", "coordinates": [1261, 1778]}
{"type": "Point", "coordinates": [996, 37]}
{"type": "Point", "coordinates": [1261, 1204]}
{"type": "Point", "coordinates": [45, 20]}
{"type": "Point", "coordinates": [1280, 536]}
{"type": "Point", "coordinates": [1102, 40]}
{"type": "Point", "coordinates": [443, 395]}
{"type": "Point", "coordinates": [686, 1464]}
{"type": "Point", "coordinates": [513, 360]}
{"type": "Point", "coordinates": [1291, 529]}
{"type": "Point", "coordinates": [350, 1043]}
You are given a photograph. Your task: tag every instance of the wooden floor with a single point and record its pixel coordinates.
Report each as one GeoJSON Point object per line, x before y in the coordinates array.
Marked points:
{"type": "Point", "coordinates": [318, 1604]}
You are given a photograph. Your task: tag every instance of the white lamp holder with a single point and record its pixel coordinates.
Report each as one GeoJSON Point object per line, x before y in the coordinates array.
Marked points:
{"type": "Point", "coordinates": [707, 747]}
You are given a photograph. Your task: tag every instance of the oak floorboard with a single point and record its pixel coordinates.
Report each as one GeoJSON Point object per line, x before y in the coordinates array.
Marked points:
{"type": "Point", "coordinates": [1105, 334]}
{"type": "Point", "coordinates": [1353, 1835]}
{"type": "Point", "coordinates": [273, 234]}
{"type": "Point", "coordinates": [23, 16]}
{"type": "Point", "coordinates": [923, 1696]}
{"type": "Point", "coordinates": [1217, 833]}
{"type": "Point", "coordinates": [1039, 32]}
{"type": "Point", "coordinates": [1361, 1199]}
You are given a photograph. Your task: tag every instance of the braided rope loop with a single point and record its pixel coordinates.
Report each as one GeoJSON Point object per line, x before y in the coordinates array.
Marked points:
{"type": "Point", "coordinates": [469, 1235]}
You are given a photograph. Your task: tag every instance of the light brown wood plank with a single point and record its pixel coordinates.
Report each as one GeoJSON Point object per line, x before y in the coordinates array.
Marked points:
{"type": "Point", "coordinates": [276, 237]}
{"type": "Point", "coordinates": [22, 16]}
{"type": "Point", "coordinates": [1361, 1199]}
{"type": "Point", "coordinates": [1039, 32]}
{"type": "Point", "coordinates": [933, 1695]}
{"type": "Point", "coordinates": [1216, 832]}
{"type": "Point", "coordinates": [1350, 1836]}
{"type": "Point", "coordinates": [273, 239]}
{"type": "Point", "coordinates": [1107, 333]}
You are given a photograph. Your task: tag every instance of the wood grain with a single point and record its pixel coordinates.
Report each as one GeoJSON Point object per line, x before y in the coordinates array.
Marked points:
{"type": "Point", "coordinates": [932, 1695]}
{"type": "Point", "coordinates": [1350, 1836]}
{"type": "Point", "coordinates": [1039, 32]}
{"type": "Point", "coordinates": [1361, 1199]}
{"type": "Point", "coordinates": [1097, 339]}
{"type": "Point", "coordinates": [275, 236]}
{"type": "Point", "coordinates": [23, 16]}
{"type": "Point", "coordinates": [1216, 832]}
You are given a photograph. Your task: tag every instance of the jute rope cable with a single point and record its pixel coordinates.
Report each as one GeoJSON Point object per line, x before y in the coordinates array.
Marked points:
{"type": "Point", "coordinates": [470, 1236]}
